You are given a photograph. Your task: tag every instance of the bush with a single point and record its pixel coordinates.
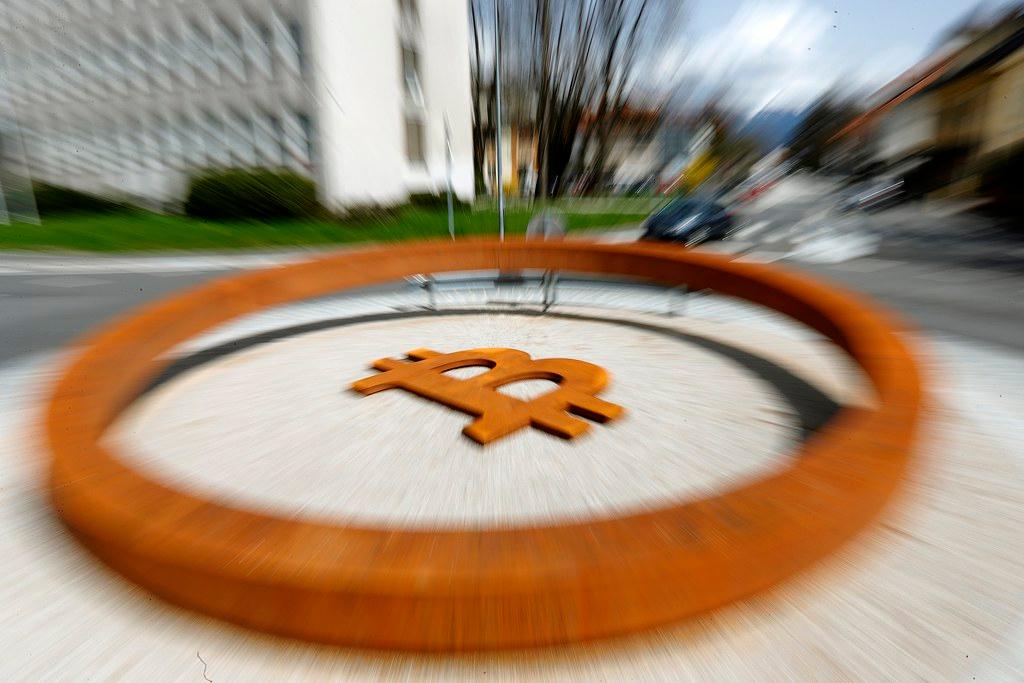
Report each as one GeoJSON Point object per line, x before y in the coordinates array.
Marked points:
{"type": "Point", "coordinates": [51, 200]}
{"type": "Point", "coordinates": [370, 213]}
{"type": "Point", "coordinates": [233, 194]}
{"type": "Point", "coordinates": [427, 200]}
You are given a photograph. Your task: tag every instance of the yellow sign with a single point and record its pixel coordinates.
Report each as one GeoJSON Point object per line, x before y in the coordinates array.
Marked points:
{"type": "Point", "coordinates": [497, 414]}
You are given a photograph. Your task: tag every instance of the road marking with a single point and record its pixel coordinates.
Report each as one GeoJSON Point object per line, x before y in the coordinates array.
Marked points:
{"type": "Point", "coordinates": [67, 281]}
{"type": "Point", "coordinates": [961, 275]}
{"type": "Point", "coordinates": [836, 249]}
{"type": "Point", "coordinates": [798, 227]}
{"type": "Point", "coordinates": [867, 265]}
{"type": "Point", "coordinates": [762, 256]}
{"type": "Point", "coordinates": [726, 247]}
{"type": "Point", "coordinates": [620, 236]}
{"type": "Point", "coordinates": [752, 229]}
{"type": "Point", "coordinates": [150, 264]}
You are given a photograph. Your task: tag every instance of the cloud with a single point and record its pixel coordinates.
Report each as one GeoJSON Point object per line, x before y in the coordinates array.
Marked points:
{"type": "Point", "coordinates": [777, 54]}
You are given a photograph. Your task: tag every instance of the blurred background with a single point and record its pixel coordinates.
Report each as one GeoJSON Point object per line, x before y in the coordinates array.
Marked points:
{"type": "Point", "coordinates": [150, 145]}
{"type": "Point", "coordinates": [303, 109]}
{"type": "Point", "coordinates": [886, 135]}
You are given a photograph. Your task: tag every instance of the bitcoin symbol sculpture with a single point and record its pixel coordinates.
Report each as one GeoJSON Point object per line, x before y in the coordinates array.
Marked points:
{"type": "Point", "coordinates": [498, 415]}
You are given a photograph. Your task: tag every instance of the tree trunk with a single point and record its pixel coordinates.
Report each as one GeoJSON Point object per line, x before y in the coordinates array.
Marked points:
{"type": "Point", "coordinates": [543, 103]}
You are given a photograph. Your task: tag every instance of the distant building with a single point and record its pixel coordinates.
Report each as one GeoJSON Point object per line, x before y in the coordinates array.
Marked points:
{"type": "Point", "coordinates": [132, 96]}
{"type": "Point", "coordinates": [642, 147]}
{"type": "Point", "coordinates": [954, 113]}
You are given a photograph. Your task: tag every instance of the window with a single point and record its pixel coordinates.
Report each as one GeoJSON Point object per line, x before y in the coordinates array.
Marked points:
{"type": "Point", "coordinates": [265, 140]}
{"type": "Point", "coordinates": [173, 143]}
{"type": "Point", "coordinates": [411, 76]}
{"type": "Point", "coordinates": [307, 133]}
{"type": "Point", "coordinates": [230, 50]}
{"type": "Point", "coordinates": [414, 144]}
{"type": "Point", "coordinates": [256, 39]}
{"type": "Point", "coordinates": [140, 57]}
{"type": "Point", "coordinates": [130, 143]}
{"type": "Point", "coordinates": [297, 140]}
{"type": "Point", "coordinates": [160, 143]}
{"type": "Point", "coordinates": [124, 63]}
{"type": "Point", "coordinates": [174, 60]}
{"type": "Point", "coordinates": [410, 64]}
{"type": "Point", "coordinates": [214, 139]}
{"type": "Point", "coordinates": [278, 133]}
{"type": "Point", "coordinates": [202, 51]}
{"type": "Point", "coordinates": [190, 149]}
{"type": "Point", "coordinates": [148, 144]}
{"type": "Point", "coordinates": [408, 13]}
{"type": "Point", "coordinates": [242, 148]}
{"type": "Point", "coordinates": [286, 49]}
{"type": "Point", "coordinates": [408, 8]}
{"type": "Point", "coordinates": [295, 33]}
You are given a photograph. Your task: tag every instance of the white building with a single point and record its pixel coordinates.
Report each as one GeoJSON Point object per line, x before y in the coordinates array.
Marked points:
{"type": "Point", "coordinates": [132, 96]}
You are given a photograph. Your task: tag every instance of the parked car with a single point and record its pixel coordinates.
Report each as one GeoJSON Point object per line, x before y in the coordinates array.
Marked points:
{"type": "Point", "coordinates": [689, 221]}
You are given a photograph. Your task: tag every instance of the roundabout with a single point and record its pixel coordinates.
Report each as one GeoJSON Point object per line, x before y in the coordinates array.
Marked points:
{"type": "Point", "coordinates": [476, 587]}
{"type": "Point", "coordinates": [414, 468]}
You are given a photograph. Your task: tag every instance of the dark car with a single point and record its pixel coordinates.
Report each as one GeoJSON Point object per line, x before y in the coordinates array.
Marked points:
{"type": "Point", "coordinates": [689, 221]}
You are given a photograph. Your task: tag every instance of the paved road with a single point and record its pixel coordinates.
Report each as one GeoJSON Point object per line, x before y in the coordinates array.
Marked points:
{"type": "Point", "coordinates": [955, 274]}
{"type": "Point", "coordinates": [43, 311]}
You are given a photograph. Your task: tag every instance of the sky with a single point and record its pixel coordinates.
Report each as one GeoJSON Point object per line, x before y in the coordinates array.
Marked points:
{"type": "Point", "coordinates": [782, 54]}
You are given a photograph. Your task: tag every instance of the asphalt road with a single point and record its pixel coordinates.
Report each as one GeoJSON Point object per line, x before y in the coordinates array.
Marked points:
{"type": "Point", "coordinates": [981, 306]}
{"type": "Point", "coordinates": [953, 274]}
{"type": "Point", "coordinates": [41, 311]}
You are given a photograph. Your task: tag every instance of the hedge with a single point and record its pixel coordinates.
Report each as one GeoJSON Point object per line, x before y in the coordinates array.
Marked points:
{"type": "Point", "coordinates": [52, 200]}
{"type": "Point", "coordinates": [232, 194]}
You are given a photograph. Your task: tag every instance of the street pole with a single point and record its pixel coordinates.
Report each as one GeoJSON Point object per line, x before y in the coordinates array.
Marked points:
{"type": "Point", "coordinates": [5, 218]}
{"type": "Point", "coordinates": [29, 211]}
{"type": "Point", "coordinates": [448, 170]}
{"type": "Point", "coordinates": [497, 116]}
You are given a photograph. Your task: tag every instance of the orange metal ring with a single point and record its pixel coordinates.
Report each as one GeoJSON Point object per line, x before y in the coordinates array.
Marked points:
{"type": "Point", "coordinates": [475, 588]}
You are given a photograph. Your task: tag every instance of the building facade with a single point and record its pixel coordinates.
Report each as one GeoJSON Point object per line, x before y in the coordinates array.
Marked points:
{"type": "Point", "coordinates": [132, 97]}
{"type": "Point", "coordinates": [955, 115]}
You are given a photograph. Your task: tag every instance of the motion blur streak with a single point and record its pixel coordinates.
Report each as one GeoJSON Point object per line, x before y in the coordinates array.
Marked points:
{"type": "Point", "coordinates": [149, 147]}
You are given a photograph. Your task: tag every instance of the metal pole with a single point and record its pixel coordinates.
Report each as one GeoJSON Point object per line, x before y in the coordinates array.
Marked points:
{"type": "Point", "coordinates": [4, 216]}
{"type": "Point", "coordinates": [497, 116]}
{"type": "Point", "coordinates": [448, 162]}
{"type": "Point", "coordinates": [28, 212]}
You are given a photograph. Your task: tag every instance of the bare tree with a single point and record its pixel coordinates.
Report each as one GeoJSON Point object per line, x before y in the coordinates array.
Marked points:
{"type": "Point", "coordinates": [543, 99]}
{"type": "Point", "coordinates": [622, 22]}
{"type": "Point", "coordinates": [569, 70]}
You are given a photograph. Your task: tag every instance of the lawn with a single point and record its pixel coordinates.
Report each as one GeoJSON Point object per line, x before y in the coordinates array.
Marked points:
{"type": "Point", "coordinates": [143, 231]}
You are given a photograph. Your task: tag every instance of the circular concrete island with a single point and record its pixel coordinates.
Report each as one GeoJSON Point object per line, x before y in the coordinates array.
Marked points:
{"type": "Point", "coordinates": [479, 476]}
{"type": "Point", "coordinates": [291, 437]}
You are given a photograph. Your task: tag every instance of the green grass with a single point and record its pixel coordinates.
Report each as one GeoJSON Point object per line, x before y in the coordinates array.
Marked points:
{"type": "Point", "coordinates": [143, 231]}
